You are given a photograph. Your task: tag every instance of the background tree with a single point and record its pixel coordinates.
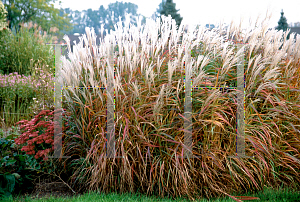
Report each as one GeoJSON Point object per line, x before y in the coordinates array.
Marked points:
{"type": "Point", "coordinates": [110, 16]}
{"type": "Point", "coordinates": [297, 24]}
{"type": "Point", "coordinates": [105, 17]}
{"type": "Point", "coordinates": [79, 26]}
{"type": "Point", "coordinates": [282, 23]}
{"type": "Point", "coordinates": [41, 12]}
{"type": "Point", "coordinates": [93, 19]}
{"type": "Point", "coordinates": [3, 18]}
{"type": "Point", "coordinates": [4, 31]}
{"type": "Point", "coordinates": [169, 8]}
{"type": "Point", "coordinates": [70, 15]}
{"type": "Point", "coordinates": [156, 14]}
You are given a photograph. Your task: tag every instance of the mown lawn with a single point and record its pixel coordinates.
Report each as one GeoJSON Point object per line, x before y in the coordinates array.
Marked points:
{"type": "Point", "coordinates": [267, 195]}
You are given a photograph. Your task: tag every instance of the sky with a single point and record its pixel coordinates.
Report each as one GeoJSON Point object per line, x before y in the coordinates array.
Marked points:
{"type": "Point", "coordinates": [208, 11]}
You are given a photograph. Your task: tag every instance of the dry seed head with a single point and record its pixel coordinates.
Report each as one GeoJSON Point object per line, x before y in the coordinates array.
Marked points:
{"type": "Point", "coordinates": [199, 77]}
{"type": "Point", "coordinates": [215, 95]}
{"type": "Point", "coordinates": [171, 67]}
{"type": "Point", "coordinates": [228, 60]}
{"type": "Point", "coordinates": [290, 44]}
{"type": "Point", "coordinates": [66, 71]}
{"type": "Point", "coordinates": [136, 89]}
{"type": "Point", "coordinates": [276, 59]}
{"type": "Point", "coordinates": [272, 73]}
{"type": "Point", "coordinates": [205, 61]}
{"type": "Point", "coordinates": [30, 25]}
{"type": "Point", "coordinates": [189, 66]}
{"type": "Point", "coordinates": [256, 68]}
{"type": "Point", "coordinates": [159, 101]}
{"type": "Point", "coordinates": [118, 85]}
{"type": "Point", "coordinates": [128, 40]}
{"type": "Point", "coordinates": [150, 70]}
{"type": "Point", "coordinates": [265, 85]}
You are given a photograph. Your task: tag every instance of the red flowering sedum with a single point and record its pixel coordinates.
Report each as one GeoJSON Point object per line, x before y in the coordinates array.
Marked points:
{"type": "Point", "coordinates": [38, 135]}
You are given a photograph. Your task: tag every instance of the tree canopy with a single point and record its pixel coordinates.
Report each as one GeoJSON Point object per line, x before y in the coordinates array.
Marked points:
{"type": "Point", "coordinates": [41, 12]}
{"type": "Point", "coordinates": [3, 13]}
{"type": "Point", "coordinates": [102, 17]}
{"type": "Point", "coordinates": [168, 7]}
{"type": "Point", "coordinates": [282, 23]}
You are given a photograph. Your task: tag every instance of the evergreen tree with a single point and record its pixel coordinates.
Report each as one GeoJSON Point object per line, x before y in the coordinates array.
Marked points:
{"type": "Point", "coordinates": [157, 12]}
{"type": "Point", "coordinates": [168, 8]}
{"type": "Point", "coordinates": [282, 24]}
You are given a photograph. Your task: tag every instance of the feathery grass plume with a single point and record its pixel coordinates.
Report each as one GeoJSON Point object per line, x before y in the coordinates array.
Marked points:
{"type": "Point", "coordinates": [150, 63]}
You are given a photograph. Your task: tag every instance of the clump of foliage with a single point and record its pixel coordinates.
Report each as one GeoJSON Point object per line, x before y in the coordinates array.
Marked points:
{"type": "Point", "coordinates": [23, 50]}
{"type": "Point", "coordinates": [22, 97]}
{"type": "Point", "coordinates": [15, 177]}
{"type": "Point", "coordinates": [38, 135]}
{"type": "Point", "coordinates": [282, 23]}
{"type": "Point", "coordinates": [148, 76]}
{"type": "Point", "coordinates": [24, 155]}
{"type": "Point", "coordinates": [3, 14]}
{"type": "Point", "coordinates": [169, 8]}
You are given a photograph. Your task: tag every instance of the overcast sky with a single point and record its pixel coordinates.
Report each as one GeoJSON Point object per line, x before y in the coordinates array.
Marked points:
{"type": "Point", "coordinates": [208, 11]}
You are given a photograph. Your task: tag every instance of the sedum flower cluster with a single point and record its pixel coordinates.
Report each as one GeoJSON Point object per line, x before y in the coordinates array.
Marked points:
{"type": "Point", "coordinates": [38, 135]}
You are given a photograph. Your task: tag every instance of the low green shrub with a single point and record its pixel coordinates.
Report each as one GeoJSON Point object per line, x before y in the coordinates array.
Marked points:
{"type": "Point", "coordinates": [25, 156]}
{"type": "Point", "coordinates": [22, 97]}
{"type": "Point", "coordinates": [16, 96]}
{"type": "Point", "coordinates": [14, 172]}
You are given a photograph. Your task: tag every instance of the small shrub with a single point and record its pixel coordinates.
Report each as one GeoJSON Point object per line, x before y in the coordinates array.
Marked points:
{"type": "Point", "coordinates": [39, 135]}
{"type": "Point", "coordinates": [16, 95]}
{"type": "Point", "coordinates": [26, 96]}
{"type": "Point", "coordinates": [13, 168]}
{"type": "Point", "coordinates": [44, 100]}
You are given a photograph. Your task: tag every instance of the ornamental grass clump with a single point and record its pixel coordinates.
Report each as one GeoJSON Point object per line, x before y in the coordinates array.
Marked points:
{"type": "Point", "coordinates": [149, 73]}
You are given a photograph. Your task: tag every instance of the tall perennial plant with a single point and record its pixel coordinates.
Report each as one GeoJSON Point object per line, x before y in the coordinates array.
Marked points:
{"type": "Point", "coordinates": [149, 73]}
